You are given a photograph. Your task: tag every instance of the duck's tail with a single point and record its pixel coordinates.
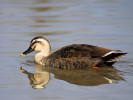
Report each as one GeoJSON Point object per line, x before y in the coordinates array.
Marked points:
{"type": "Point", "coordinates": [111, 57]}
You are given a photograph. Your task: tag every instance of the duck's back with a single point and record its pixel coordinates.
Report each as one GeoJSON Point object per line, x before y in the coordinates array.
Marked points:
{"type": "Point", "coordinates": [77, 56]}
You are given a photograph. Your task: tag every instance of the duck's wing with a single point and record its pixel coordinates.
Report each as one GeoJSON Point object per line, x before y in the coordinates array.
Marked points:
{"type": "Point", "coordinates": [81, 50]}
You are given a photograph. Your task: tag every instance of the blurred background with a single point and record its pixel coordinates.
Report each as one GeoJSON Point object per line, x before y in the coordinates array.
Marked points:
{"type": "Point", "coordinates": [105, 23]}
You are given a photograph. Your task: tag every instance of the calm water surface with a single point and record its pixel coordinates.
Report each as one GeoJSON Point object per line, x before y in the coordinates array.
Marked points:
{"type": "Point", "coordinates": [106, 23]}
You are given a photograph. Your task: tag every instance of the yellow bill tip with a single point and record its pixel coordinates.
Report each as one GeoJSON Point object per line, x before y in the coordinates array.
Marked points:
{"type": "Point", "coordinates": [22, 54]}
{"type": "Point", "coordinates": [22, 70]}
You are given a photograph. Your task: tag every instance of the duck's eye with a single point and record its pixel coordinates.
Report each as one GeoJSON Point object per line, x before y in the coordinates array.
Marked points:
{"type": "Point", "coordinates": [33, 45]}
{"type": "Point", "coordinates": [37, 45]}
{"type": "Point", "coordinates": [36, 42]}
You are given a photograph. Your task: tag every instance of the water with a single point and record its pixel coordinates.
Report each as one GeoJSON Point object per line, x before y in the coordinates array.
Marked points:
{"type": "Point", "coordinates": [98, 22]}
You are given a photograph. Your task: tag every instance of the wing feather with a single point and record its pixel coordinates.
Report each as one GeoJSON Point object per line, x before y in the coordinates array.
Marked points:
{"type": "Point", "coordinates": [80, 50]}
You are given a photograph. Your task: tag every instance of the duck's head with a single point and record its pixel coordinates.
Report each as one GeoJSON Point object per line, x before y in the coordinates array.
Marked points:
{"type": "Point", "coordinates": [40, 44]}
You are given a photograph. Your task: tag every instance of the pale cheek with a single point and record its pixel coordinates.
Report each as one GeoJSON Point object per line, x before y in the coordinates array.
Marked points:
{"type": "Point", "coordinates": [38, 48]}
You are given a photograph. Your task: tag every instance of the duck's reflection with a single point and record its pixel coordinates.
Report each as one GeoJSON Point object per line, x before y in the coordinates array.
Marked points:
{"type": "Point", "coordinates": [37, 80]}
{"type": "Point", "coordinates": [88, 77]}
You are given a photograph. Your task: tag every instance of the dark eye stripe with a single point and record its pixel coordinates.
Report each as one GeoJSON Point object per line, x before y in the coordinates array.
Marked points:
{"type": "Point", "coordinates": [35, 43]}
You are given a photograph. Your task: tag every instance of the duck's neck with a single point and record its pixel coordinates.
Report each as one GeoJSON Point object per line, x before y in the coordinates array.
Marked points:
{"type": "Point", "coordinates": [40, 57]}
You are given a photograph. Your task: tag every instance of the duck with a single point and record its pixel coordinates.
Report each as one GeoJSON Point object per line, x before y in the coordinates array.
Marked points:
{"type": "Point", "coordinates": [74, 56]}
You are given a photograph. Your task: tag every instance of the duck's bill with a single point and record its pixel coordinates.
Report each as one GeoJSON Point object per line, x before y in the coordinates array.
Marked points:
{"type": "Point", "coordinates": [29, 50]}
{"type": "Point", "coordinates": [22, 54]}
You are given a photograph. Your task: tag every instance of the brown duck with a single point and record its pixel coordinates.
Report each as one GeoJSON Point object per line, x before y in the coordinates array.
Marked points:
{"type": "Point", "coordinates": [72, 56]}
